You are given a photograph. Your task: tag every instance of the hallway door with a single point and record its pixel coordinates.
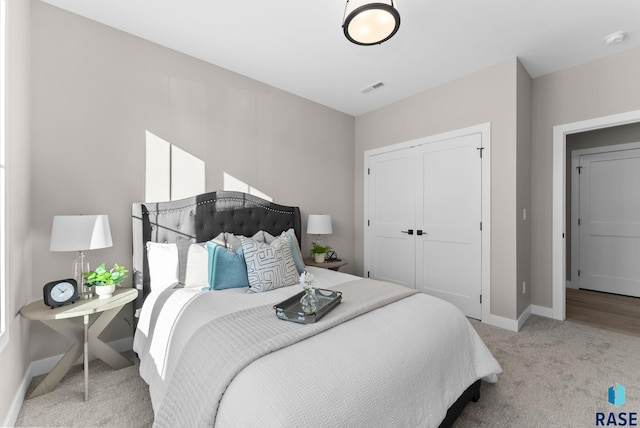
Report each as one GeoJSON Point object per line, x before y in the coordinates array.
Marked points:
{"type": "Point", "coordinates": [609, 222]}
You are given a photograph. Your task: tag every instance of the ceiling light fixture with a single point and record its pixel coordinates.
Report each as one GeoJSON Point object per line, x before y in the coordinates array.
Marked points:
{"type": "Point", "coordinates": [370, 22]}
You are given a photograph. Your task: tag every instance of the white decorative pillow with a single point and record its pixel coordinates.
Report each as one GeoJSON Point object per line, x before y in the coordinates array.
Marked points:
{"type": "Point", "coordinates": [197, 268]}
{"type": "Point", "coordinates": [163, 265]}
{"type": "Point", "coordinates": [267, 237]}
{"type": "Point", "coordinates": [192, 262]}
{"type": "Point", "coordinates": [227, 240]}
{"type": "Point", "coordinates": [294, 246]}
{"type": "Point", "coordinates": [232, 242]}
{"type": "Point", "coordinates": [269, 266]}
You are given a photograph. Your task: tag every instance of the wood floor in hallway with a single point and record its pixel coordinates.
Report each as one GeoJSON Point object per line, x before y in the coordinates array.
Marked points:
{"type": "Point", "coordinates": [603, 310]}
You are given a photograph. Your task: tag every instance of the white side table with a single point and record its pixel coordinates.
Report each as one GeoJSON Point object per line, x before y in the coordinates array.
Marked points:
{"type": "Point", "coordinates": [85, 337]}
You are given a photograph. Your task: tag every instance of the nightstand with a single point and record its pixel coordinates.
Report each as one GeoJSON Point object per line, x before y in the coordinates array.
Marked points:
{"type": "Point", "coordinates": [85, 336]}
{"type": "Point", "coordinates": [326, 265]}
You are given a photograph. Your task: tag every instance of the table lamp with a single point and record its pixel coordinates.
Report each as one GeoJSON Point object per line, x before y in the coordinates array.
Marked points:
{"type": "Point", "coordinates": [80, 233]}
{"type": "Point", "coordinates": [319, 224]}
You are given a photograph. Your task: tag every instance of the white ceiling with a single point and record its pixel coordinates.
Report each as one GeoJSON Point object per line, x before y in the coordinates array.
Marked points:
{"type": "Point", "coordinates": [298, 45]}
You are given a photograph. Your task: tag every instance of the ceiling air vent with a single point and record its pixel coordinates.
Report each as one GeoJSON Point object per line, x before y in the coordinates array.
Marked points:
{"type": "Point", "coordinates": [373, 87]}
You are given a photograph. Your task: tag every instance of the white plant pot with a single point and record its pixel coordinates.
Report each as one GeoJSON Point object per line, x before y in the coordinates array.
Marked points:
{"type": "Point", "coordinates": [104, 291]}
{"type": "Point", "coordinates": [319, 257]}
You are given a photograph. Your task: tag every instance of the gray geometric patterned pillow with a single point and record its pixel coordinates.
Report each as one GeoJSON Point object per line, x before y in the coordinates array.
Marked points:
{"type": "Point", "coordinates": [269, 266]}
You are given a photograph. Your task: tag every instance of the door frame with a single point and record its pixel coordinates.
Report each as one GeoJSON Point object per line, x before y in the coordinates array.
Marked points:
{"type": "Point", "coordinates": [575, 201]}
{"type": "Point", "coordinates": [558, 198]}
{"type": "Point", "coordinates": [484, 130]}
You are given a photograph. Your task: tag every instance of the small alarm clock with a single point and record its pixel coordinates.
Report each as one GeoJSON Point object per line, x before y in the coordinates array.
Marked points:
{"type": "Point", "coordinates": [60, 292]}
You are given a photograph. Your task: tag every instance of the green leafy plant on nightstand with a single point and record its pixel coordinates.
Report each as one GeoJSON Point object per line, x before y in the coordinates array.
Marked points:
{"type": "Point", "coordinates": [319, 249]}
{"type": "Point", "coordinates": [102, 276]}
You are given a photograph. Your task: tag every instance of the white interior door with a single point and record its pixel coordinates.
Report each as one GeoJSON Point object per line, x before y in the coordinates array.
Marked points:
{"type": "Point", "coordinates": [449, 250]}
{"type": "Point", "coordinates": [610, 222]}
{"type": "Point", "coordinates": [424, 217]}
{"type": "Point", "coordinates": [391, 211]}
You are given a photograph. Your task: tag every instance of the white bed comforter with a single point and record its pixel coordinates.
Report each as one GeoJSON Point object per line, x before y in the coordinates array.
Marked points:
{"type": "Point", "coordinates": [403, 364]}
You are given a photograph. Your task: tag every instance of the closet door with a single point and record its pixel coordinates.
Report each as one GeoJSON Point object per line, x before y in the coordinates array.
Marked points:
{"type": "Point", "coordinates": [392, 214]}
{"type": "Point", "coordinates": [448, 222]}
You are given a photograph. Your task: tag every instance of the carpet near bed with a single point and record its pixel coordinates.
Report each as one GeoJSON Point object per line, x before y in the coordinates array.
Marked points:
{"type": "Point", "coordinates": [556, 373]}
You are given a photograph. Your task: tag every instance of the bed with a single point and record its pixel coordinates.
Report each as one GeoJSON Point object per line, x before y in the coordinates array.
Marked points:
{"type": "Point", "coordinates": [385, 356]}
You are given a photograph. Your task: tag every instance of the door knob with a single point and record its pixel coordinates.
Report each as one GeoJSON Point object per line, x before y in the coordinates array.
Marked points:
{"type": "Point", "coordinates": [410, 231]}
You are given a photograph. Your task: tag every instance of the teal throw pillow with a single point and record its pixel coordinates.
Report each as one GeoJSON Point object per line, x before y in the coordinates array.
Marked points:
{"type": "Point", "coordinates": [295, 252]}
{"type": "Point", "coordinates": [227, 269]}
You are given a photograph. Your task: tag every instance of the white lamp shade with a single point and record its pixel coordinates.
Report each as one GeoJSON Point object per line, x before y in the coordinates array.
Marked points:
{"type": "Point", "coordinates": [319, 224]}
{"type": "Point", "coordinates": [368, 22]}
{"type": "Point", "coordinates": [80, 232]}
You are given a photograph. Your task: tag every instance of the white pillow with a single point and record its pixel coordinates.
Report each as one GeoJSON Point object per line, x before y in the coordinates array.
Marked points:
{"type": "Point", "coordinates": [269, 266]}
{"type": "Point", "coordinates": [294, 246]}
{"type": "Point", "coordinates": [163, 265]}
{"type": "Point", "coordinates": [232, 242]}
{"type": "Point", "coordinates": [197, 267]}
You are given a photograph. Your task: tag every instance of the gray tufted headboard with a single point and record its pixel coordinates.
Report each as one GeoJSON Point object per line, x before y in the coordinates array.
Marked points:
{"type": "Point", "coordinates": [202, 218]}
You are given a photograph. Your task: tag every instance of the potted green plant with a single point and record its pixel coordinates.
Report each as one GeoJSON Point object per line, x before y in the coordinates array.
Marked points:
{"type": "Point", "coordinates": [106, 280]}
{"type": "Point", "coordinates": [319, 252]}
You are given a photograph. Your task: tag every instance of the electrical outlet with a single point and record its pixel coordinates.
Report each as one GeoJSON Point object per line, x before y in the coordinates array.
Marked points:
{"type": "Point", "coordinates": [524, 287]}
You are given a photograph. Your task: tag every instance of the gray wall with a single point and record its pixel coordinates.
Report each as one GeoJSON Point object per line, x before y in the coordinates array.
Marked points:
{"type": "Point", "coordinates": [14, 358]}
{"type": "Point", "coordinates": [95, 92]}
{"type": "Point", "coordinates": [523, 190]}
{"type": "Point", "coordinates": [596, 89]}
{"type": "Point", "coordinates": [489, 95]}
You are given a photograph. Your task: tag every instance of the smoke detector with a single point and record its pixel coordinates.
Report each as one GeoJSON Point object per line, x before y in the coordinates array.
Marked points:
{"type": "Point", "coordinates": [615, 38]}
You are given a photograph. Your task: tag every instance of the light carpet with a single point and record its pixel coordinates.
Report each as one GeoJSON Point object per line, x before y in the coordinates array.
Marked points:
{"type": "Point", "coordinates": [556, 374]}
{"type": "Point", "coordinates": [117, 398]}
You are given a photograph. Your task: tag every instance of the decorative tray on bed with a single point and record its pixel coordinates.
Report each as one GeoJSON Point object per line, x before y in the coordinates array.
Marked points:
{"type": "Point", "coordinates": [291, 310]}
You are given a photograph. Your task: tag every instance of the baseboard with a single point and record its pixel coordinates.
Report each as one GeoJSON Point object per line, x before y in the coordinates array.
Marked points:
{"type": "Point", "coordinates": [516, 325]}
{"type": "Point", "coordinates": [43, 366]}
{"type": "Point", "coordinates": [509, 324]}
{"type": "Point", "coordinates": [542, 311]}
{"type": "Point", "coordinates": [524, 317]}
{"type": "Point", "coordinates": [16, 405]}
{"type": "Point", "coordinates": [506, 323]}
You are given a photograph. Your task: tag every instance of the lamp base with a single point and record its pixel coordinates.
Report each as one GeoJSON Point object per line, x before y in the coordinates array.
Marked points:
{"type": "Point", "coordinates": [85, 292]}
{"type": "Point", "coordinates": [79, 266]}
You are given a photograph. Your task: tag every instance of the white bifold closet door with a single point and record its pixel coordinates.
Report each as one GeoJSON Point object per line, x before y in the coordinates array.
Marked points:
{"type": "Point", "coordinates": [425, 220]}
{"type": "Point", "coordinates": [392, 212]}
{"type": "Point", "coordinates": [448, 254]}
{"type": "Point", "coordinates": [609, 222]}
